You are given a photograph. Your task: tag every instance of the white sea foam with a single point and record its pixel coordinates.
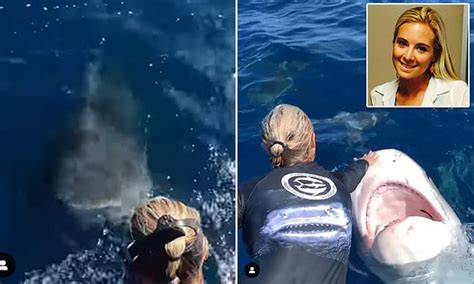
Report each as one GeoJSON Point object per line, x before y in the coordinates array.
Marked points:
{"type": "Point", "coordinates": [217, 209]}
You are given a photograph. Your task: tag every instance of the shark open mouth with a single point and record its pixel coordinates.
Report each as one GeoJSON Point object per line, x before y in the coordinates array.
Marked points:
{"type": "Point", "coordinates": [391, 203]}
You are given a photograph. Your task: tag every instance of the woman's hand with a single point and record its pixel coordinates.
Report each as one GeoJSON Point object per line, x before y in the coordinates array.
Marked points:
{"type": "Point", "coordinates": [371, 158]}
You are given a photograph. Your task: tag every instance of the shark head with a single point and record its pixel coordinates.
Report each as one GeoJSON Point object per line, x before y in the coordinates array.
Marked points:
{"type": "Point", "coordinates": [400, 217]}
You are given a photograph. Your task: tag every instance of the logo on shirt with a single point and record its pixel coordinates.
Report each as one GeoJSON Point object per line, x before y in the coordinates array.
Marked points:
{"type": "Point", "coordinates": [309, 186]}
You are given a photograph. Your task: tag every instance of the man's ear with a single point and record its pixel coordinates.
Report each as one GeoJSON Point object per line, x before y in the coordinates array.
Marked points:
{"type": "Point", "coordinates": [313, 140]}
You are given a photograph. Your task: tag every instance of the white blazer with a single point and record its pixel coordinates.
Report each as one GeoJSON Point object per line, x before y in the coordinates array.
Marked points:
{"type": "Point", "coordinates": [440, 93]}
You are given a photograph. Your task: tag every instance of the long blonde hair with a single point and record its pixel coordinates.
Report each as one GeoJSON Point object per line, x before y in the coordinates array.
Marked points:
{"type": "Point", "coordinates": [286, 135]}
{"type": "Point", "coordinates": [443, 67]}
{"type": "Point", "coordinates": [186, 267]}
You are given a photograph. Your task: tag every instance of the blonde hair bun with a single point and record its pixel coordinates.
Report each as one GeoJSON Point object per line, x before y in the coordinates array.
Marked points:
{"type": "Point", "coordinates": [286, 136]}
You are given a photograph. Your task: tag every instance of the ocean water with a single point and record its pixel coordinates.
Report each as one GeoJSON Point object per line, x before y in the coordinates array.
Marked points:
{"type": "Point", "coordinates": [312, 54]}
{"type": "Point", "coordinates": [103, 104]}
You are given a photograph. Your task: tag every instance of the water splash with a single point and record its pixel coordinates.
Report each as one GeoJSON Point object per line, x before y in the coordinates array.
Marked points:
{"type": "Point", "coordinates": [457, 264]}
{"type": "Point", "coordinates": [217, 207]}
{"type": "Point", "coordinates": [102, 264]}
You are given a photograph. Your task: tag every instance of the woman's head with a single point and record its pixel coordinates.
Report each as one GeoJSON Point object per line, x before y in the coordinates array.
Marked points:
{"type": "Point", "coordinates": [288, 136]}
{"type": "Point", "coordinates": [186, 264]}
{"type": "Point", "coordinates": [420, 45]}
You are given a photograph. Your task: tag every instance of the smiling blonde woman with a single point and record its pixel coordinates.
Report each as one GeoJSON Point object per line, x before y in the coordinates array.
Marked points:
{"type": "Point", "coordinates": [425, 72]}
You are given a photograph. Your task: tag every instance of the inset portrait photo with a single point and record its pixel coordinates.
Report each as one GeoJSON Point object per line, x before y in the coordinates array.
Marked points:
{"type": "Point", "coordinates": [418, 55]}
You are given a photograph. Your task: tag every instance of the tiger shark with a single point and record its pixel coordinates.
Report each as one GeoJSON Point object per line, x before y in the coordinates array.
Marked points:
{"type": "Point", "coordinates": [402, 224]}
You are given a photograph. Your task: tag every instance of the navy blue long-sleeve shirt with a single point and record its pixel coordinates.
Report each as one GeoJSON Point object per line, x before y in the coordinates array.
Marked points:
{"type": "Point", "coordinates": [296, 223]}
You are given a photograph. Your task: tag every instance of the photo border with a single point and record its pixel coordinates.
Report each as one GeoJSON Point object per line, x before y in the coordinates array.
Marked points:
{"type": "Point", "coordinates": [466, 19]}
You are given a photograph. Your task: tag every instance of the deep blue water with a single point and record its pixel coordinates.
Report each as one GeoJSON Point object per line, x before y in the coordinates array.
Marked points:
{"type": "Point", "coordinates": [176, 59]}
{"type": "Point", "coordinates": [312, 54]}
